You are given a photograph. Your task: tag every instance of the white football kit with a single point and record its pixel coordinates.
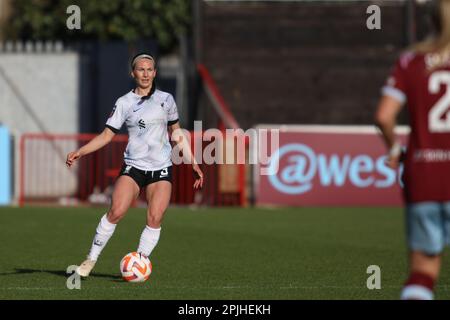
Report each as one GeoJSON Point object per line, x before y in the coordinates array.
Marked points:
{"type": "Point", "coordinates": [148, 145]}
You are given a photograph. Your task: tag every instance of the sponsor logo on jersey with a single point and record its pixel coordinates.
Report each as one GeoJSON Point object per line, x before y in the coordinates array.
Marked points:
{"type": "Point", "coordinates": [137, 107]}
{"type": "Point", "coordinates": [141, 124]}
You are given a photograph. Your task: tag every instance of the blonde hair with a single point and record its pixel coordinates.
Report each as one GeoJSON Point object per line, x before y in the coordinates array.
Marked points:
{"type": "Point", "coordinates": [439, 42]}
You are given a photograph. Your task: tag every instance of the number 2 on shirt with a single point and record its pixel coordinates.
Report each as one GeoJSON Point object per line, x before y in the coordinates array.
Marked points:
{"type": "Point", "coordinates": [436, 123]}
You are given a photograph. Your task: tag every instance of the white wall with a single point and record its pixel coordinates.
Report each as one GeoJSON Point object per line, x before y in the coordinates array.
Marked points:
{"type": "Point", "coordinates": [48, 82]}
{"type": "Point", "coordinates": [49, 85]}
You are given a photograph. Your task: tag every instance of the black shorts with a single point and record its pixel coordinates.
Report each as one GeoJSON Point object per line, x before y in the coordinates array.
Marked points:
{"type": "Point", "coordinates": [144, 178]}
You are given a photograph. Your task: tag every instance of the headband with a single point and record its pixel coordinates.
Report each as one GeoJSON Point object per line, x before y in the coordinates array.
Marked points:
{"type": "Point", "coordinates": [147, 56]}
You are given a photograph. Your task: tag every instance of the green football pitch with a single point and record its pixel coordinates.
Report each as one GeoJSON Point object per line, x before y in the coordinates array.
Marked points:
{"type": "Point", "coordinates": [224, 253]}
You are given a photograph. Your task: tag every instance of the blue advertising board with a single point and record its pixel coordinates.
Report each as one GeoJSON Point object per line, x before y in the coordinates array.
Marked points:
{"type": "Point", "coordinates": [5, 166]}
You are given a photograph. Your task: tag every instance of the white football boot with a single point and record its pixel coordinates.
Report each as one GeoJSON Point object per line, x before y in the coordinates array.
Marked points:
{"type": "Point", "coordinates": [85, 268]}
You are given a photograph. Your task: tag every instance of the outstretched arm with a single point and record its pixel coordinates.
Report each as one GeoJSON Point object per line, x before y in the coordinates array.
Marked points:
{"type": "Point", "coordinates": [386, 119]}
{"type": "Point", "coordinates": [176, 134]}
{"type": "Point", "coordinates": [97, 143]}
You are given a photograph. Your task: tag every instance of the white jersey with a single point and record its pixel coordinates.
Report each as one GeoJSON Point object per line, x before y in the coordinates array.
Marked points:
{"type": "Point", "coordinates": [146, 120]}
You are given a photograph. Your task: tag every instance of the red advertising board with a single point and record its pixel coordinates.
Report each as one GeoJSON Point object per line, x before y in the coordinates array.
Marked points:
{"type": "Point", "coordinates": [329, 166]}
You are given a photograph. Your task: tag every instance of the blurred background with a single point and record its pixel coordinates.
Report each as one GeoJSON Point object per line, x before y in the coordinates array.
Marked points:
{"type": "Point", "coordinates": [288, 65]}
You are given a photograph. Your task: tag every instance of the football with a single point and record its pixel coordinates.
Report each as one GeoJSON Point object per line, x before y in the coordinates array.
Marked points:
{"type": "Point", "coordinates": [135, 267]}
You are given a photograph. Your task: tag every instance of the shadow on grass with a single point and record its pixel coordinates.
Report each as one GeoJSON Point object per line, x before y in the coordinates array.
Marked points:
{"type": "Point", "coordinates": [61, 273]}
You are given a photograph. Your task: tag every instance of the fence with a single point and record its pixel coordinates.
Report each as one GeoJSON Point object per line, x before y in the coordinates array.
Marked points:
{"type": "Point", "coordinates": [45, 179]}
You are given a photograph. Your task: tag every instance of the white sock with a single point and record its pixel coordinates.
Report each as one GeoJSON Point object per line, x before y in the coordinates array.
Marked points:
{"type": "Point", "coordinates": [416, 292]}
{"type": "Point", "coordinates": [149, 239]}
{"type": "Point", "coordinates": [105, 230]}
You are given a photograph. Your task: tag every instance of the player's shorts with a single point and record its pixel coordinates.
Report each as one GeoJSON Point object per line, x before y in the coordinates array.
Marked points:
{"type": "Point", "coordinates": [428, 226]}
{"type": "Point", "coordinates": [143, 178]}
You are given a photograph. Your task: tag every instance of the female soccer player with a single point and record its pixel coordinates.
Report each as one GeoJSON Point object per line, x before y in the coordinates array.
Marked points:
{"type": "Point", "coordinates": [150, 116]}
{"type": "Point", "coordinates": [421, 78]}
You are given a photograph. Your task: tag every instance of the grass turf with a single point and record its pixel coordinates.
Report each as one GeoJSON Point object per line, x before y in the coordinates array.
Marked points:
{"type": "Point", "coordinates": [301, 253]}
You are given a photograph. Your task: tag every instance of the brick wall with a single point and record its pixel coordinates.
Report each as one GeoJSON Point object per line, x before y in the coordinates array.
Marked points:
{"type": "Point", "coordinates": [300, 62]}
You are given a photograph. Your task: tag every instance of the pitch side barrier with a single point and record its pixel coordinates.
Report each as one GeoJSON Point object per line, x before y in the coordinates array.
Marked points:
{"type": "Point", "coordinates": [329, 166]}
{"type": "Point", "coordinates": [45, 179]}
